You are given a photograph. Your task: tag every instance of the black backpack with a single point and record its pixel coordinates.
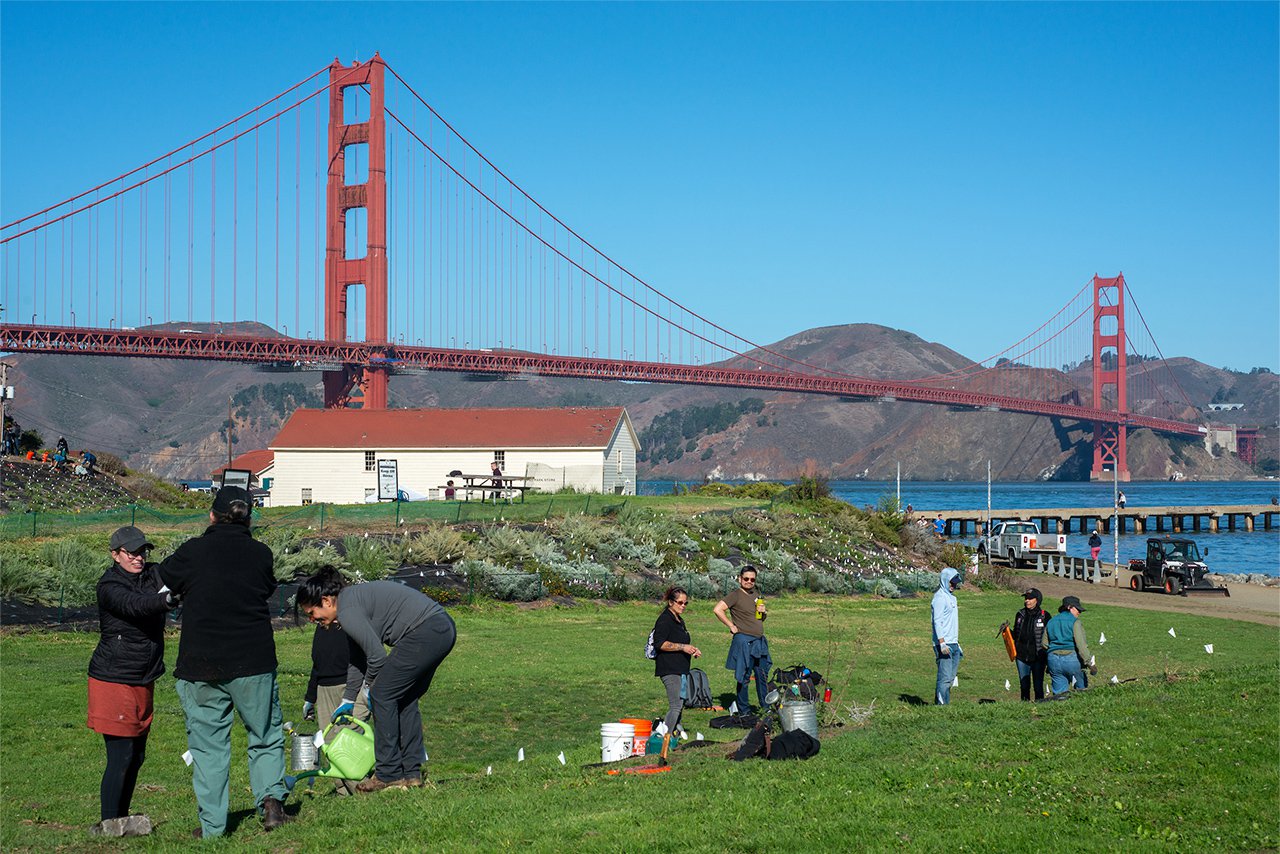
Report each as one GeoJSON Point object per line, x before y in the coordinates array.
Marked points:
{"type": "Point", "coordinates": [699, 690]}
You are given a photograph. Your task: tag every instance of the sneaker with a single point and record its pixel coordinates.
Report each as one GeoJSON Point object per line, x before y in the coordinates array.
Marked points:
{"type": "Point", "coordinates": [272, 814]}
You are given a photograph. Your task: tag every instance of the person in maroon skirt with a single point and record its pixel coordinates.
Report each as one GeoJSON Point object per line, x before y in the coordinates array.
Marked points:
{"type": "Point", "coordinates": [122, 674]}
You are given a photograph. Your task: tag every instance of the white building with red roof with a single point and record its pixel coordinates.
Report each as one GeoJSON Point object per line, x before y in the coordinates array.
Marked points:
{"type": "Point", "coordinates": [332, 455]}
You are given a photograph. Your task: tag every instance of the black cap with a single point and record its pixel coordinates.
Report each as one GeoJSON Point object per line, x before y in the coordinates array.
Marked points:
{"type": "Point", "coordinates": [1033, 593]}
{"type": "Point", "coordinates": [226, 495]}
{"type": "Point", "coordinates": [130, 539]}
{"type": "Point", "coordinates": [1072, 602]}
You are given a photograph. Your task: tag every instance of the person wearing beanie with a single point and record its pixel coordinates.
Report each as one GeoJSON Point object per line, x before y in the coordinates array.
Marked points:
{"type": "Point", "coordinates": [227, 661]}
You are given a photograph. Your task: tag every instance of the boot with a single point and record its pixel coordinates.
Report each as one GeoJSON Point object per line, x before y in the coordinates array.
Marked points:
{"type": "Point", "coordinates": [272, 814]}
{"type": "Point", "coordinates": [666, 742]}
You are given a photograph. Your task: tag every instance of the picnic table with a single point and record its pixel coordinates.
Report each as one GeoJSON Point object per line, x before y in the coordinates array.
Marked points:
{"type": "Point", "coordinates": [504, 484]}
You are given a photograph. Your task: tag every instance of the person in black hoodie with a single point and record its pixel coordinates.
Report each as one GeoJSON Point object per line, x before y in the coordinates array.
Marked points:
{"type": "Point", "coordinates": [122, 674]}
{"type": "Point", "coordinates": [227, 660]}
{"type": "Point", "coordinates": [1028, 631]}
{"type": "Point", "coordinates": [330, 667]}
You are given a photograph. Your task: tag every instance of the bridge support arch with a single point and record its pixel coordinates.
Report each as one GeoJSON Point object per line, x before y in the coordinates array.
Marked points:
{"type": "Point", "coordinates": [370, 270]}
{"type": "Point", "coordinates": [1109, 362]}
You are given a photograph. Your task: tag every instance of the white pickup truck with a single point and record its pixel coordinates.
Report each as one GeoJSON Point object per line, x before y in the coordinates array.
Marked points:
{"type": "Point", "coordinates": [1020, 542]}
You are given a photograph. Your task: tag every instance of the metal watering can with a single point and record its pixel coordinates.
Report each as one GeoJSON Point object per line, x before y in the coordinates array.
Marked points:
{"type": "Point", "coordinates": [350, 756]}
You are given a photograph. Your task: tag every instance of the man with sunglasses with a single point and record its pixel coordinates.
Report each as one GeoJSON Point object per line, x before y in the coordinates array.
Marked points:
{"type": "Point", "coordinates": [743, 612]}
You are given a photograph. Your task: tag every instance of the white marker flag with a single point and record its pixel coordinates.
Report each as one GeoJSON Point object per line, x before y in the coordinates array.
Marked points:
{"type": "Point", "coordinates": [488, 771]}
{"type": "Point", "coordinates": [561, 757]}
{"type": "Point", "coordinates": [1102, 638]}
{"type": "Point", "coordinates": [1115, 680]}
{"type": "Point", "coordinates": [186, 757]}
{"type": "Point", "coordinates": [1006, 684]}
{"type": "Point", "coordinates": [699, 736]}
{"type": "Point", "coordinates": [955, 682]}
{"type": "Point", "coordinates": [520, 755]}
{"type": "Point", "coordinates": [1208, 648]}
{"type": "Point", "coordinates": [1172, 633]}
{"type": "Point", "coordinates": [1093, 660]}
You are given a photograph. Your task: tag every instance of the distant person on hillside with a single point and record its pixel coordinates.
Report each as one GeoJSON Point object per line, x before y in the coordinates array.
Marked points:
{"type": "Point", "coordinates": [945, 611]}
{"type": "Point", "coordinates": [940, 527]}
{"type": "Point", "coordinates": [1121, 500]}
{"type": "Point", "coordinates": [1095, 545]}
{"type": "Point", "coordinates": [89, 460]}
{"type": "Point", "coordinates": [1068, 650]}
{"type": "Point", "coordinates": [449, 491]}
{"type": "Point", "coordinates": [123, 672]}
{"type": "Point", "coordinates": [58, 460]}
{"type": "Point", "coordinates": [62, 446]}
{"type": "Point", "coordinates": [1028, 633]}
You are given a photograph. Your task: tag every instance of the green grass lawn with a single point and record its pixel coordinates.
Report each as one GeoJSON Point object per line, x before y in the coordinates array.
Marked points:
{"type": "Point", "coordinates": [1184, 758]}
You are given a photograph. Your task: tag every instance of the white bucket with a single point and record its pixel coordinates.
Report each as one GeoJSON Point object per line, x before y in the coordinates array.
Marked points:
{"type": "Point", "coordinates": [616, 740]}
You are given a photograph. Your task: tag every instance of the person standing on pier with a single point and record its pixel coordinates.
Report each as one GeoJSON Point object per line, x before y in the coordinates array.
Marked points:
{"type": "Point", "coordinates": [940, 527]}
{"type": "Point", "coordinates": [1121, 500]}
{"type": "Point", "coordinates": [946, 633]}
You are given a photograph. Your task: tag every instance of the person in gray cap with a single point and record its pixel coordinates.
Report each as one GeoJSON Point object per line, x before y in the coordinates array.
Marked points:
{"type": "Point", "coordinates": [227, 660]}
{"type": "Point", "coordinates": [123, 672]}
{"type": "Point", "coordinates": [1068, 649]}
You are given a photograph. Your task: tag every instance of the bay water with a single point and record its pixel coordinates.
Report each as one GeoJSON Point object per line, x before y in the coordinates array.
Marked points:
{"type": "Point", "coordinates": [1235, 552]}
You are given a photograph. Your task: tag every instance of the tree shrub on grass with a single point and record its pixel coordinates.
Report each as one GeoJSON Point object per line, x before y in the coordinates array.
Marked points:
{"type": "Point", "coordinates": [697, 586]}
{"type": "Point", "coordinates": [75, 571]}
{"type": "Point", "coordinates": [26, 580]}
{"type": "Point", "coordinates": [309, 560]}
{"type": "Point", "coordinates": [723, 574]}
{"type": "Point", "coordinates": [367, 557]}
{"type": "Point", "coordinates": [438, 543]}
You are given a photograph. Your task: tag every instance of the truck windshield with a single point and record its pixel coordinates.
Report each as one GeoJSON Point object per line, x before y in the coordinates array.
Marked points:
{"type": "Point", "coordinates": [1182, 551]}
{"type": "Point", "coordinates": [1020, 529]}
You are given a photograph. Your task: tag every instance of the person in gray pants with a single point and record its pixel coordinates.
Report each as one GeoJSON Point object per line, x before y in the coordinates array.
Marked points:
{"type": "Point", "coordinates": [377, 614]}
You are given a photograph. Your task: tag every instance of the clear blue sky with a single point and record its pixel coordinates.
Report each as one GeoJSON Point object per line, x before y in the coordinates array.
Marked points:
{"type": "Point", "coordinates": [951, 169]}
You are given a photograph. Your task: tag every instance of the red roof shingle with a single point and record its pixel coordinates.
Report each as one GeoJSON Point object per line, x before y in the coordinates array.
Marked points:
{"type": "Point", "coordinates": [254, 461]}
{"type": "Point", "coordinates": [449, 428]}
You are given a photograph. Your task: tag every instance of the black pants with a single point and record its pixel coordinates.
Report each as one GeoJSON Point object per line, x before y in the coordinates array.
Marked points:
{"type": "Point", "coordinates": [125, 755]}
{"type": "Point", "coordinates": [404, 678]}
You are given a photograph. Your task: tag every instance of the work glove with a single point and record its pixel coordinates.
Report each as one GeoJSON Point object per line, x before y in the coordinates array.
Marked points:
{"type": "Point", "coordinates": [171, 599]}
{"type": "Point", "coordinates": [308, 711]}
{"type": "Point", "coordinates": [347, 707]}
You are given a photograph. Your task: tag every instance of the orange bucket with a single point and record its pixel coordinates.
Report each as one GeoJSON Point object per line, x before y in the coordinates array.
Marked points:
{"type": "Point", "coordinates": [644, 728]}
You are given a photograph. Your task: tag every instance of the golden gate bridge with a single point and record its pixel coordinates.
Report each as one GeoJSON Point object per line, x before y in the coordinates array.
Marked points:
{"type": "Point", "coordinates": [348, 210]}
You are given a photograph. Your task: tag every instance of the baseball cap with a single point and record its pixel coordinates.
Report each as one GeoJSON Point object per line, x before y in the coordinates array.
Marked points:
{"type": "Point", "coordinates": [130, 539]}
{"type": "Point", "coordinates": [1072, 602]}
{"type": "Point", "coordinates": [1032, 593]}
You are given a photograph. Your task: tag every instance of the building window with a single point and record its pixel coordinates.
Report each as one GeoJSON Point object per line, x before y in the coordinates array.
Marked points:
{"type": "Point", "coordinates": [306, 496]}
{"type": "Point", "coordinates": [500, 457]}
{"type": "Point", "coordinates": [370, 460]}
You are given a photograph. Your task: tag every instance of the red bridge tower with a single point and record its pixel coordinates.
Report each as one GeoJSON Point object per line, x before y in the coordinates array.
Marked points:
{"type": "Point", "coordinates": [370, 269]}
{"type": "Point", "coordinates": [1109, 362]}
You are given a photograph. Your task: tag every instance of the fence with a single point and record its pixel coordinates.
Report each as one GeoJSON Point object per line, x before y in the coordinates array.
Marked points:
{"type": "Point", "coordinates": [318, 517]}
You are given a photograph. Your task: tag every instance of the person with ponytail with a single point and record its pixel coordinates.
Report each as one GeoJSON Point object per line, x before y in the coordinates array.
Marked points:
{"type": "Point", "coordinates": [376, 615]}
{"type": "Point", "coordinates": [672, 643]}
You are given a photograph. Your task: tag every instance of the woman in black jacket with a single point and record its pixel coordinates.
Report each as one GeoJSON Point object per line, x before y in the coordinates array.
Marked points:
{"type": "Point", "coordinates": [123, 670]}
{"type": "Point", "coordinates": [1028, 631]}
{"type": "Point", "coordinates": [674, 651]}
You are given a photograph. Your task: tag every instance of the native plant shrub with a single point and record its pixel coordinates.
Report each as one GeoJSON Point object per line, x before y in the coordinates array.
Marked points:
{"type": "Point", "coordinates": [75, 570]}
{"type": "Point", "coordinates": [24, 577]}
{"type": "Point", "coordinates": [368, 558]}
{"type": "Point", "coordinates": [579, 534]}
{"type": "Point", "coordinates": [696, 585]}
{"type": "Point", "coordinates": [504, 545]}
{"type": "Point", "coordinates": [514, 585]}
{"type": "Point", "coordinates": [438, 543]}
{"type": "Point", "coordinates": [880, 587]}
{"type": "Point", "coordinates": [821, 581]}
{"type": "Point", "coordinates": [309, 560]}
{"type": "Point", "coordinates": [722, 574]}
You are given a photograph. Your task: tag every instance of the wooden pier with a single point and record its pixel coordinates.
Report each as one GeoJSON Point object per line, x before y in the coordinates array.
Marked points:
{"type": "Point", "coordinates": [1137, 520]}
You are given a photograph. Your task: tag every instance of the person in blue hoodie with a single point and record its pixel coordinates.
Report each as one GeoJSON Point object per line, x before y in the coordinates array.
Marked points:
{"type": "Point", "coordinates": [946, 633]}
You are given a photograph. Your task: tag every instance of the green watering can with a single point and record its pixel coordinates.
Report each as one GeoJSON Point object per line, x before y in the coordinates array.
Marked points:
{"type": "Point", "coordinates": [349, 756]}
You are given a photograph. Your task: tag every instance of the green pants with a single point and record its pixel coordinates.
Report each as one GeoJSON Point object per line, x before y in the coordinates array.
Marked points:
{"type": "Point", "coordinates": [208, 707]}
